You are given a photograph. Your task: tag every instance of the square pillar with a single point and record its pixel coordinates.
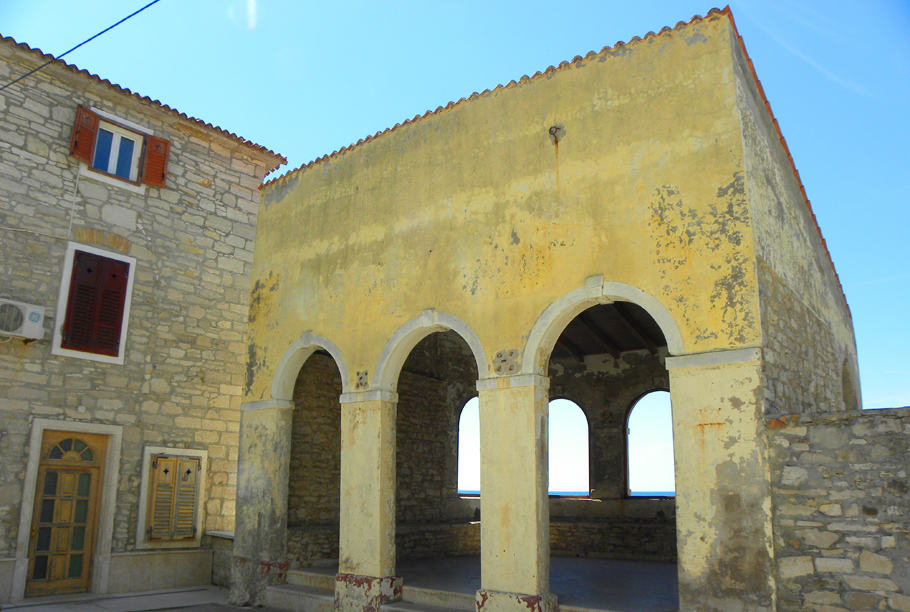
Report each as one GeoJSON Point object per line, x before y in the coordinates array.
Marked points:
{"type": "Point", "coordinates": [259, 555]}
{"type": "Point", "coordinates": [514, 505]}
{"type": "Point", "coordinates": [723, 482]}
{"type": "Point", "coordinates": [366, 564]}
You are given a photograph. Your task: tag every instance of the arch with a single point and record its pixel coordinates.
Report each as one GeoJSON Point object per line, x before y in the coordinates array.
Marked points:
{"type": "Point", "coordinates": [406, 337]}
{"type": "Point", "coordinates": [555, 317]}
{"type": "Point", "coordinates": [565, 470]}
{"type": "Point", "coordinates": [294, 358]}
{"type": "Point", "coordinates": [469, 449]}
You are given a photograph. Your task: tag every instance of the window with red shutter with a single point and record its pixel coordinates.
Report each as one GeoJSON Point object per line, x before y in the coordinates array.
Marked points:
{"type": "Point", "coordinates": [94, 302]}
{"type": "Point", "coordinates": [94, 313]}
{"type": "Point", "coordinates": [114, 149]}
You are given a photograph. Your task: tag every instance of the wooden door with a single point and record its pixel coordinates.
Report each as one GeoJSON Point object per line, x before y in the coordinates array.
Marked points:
{"type": "Point", "coordinates": [65, 516]}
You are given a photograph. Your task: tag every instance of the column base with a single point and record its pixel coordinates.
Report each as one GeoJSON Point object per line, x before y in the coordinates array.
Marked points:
{"type": "Point", "coordinates": [365, 593]}
{"type": "Point", "coordinates": [250, 577]}
{"type": "Point", "coordinates": [497, 601]}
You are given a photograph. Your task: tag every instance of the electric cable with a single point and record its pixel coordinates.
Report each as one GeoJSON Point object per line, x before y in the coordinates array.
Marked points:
{"type": "Point", "coordinates": [53, 59]}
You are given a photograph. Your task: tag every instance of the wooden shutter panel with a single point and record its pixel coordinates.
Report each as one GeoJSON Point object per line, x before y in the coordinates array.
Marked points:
{"type": "Point", "coordinates": [173, 493]}
{"type": "Point", "coordinates": [161, 498]}
{"type": "Point", "coordinates": [154, 168]}
{"type": "Point", "coordinates": [185, 499]}
{"type": "Point", "coordinates": [85, 133]}
{"type": "Point", "coordinates": [94, 311]}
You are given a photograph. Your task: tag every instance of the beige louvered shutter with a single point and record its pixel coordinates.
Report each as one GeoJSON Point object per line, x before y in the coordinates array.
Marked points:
{"type": "Point", "coordinates": [185, 499]}
{"type": "Point", "coordinates": [161, 497]}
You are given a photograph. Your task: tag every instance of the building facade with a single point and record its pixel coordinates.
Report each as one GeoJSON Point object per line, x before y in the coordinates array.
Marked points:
{"type": "Point", "coordinates": [624, 222]}
{"type": "Point", "coordinates": [126, 232]}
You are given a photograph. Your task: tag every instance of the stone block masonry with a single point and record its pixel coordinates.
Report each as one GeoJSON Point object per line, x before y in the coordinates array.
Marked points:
{"type": "Point", "coordinates": [841, 496]}
{"type": "Point", "coordinates": [180, 383]}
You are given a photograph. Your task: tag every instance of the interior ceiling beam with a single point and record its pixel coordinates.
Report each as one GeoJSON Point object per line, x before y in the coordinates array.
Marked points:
{"type": "Point", "coordinates": [571, 348]}
{"type": "Point", "coordinates": [632, 328]}
{"type": "Point", "coordinates": [608, 343]}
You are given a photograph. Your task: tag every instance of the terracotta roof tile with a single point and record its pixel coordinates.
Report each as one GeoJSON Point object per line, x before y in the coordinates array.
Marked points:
{"type": "Point", "coordinates": [278, 159]}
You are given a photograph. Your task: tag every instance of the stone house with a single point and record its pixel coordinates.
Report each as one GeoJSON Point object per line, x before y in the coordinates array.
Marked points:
{"type": "Point", "coordinates": [126, 233]}
{"type": "Point", "coordinates": [627, 221]}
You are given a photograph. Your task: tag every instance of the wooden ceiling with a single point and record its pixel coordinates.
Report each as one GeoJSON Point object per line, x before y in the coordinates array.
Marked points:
{"type": "Point", "coordinates": [609, 329]}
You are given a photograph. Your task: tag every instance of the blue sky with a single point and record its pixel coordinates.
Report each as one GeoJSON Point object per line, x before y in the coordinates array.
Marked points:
{"type": "Point", "coordinates": [307, 78]}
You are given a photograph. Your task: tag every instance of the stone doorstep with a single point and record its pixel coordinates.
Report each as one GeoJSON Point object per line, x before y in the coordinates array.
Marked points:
{"type": "Point", "coordinates": [296, 598]}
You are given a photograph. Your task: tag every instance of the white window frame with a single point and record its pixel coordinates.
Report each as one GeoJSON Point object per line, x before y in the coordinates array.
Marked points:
{"type": "Point", "coordinates": [148, 453]}
{"type": "Point", "coordinates": [120, 127]}
{"type": "Point", "coordinates": [118, 135]}
{"type": "Point", "coordinates": [63, 300]}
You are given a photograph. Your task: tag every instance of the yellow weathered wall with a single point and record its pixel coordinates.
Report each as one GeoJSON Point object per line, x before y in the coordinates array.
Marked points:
{"type": "Point", "coordinates": [473, 211]}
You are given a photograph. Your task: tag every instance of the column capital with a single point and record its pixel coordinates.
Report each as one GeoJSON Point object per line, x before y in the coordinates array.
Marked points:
{"type": "Point", "coordinates": [510, 382]}
{"type": "Point", "coordinates": [270, 404]}
{"type": "Point", "coordinates": [370, 395]}
{"type": "Point", "coordinates": [715, 358]}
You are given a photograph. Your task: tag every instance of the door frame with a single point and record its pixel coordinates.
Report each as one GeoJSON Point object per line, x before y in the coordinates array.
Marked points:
{"type": "Point", "coordinates": [101, 557]}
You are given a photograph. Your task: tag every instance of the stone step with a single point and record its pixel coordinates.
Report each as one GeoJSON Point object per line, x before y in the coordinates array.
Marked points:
{"type": "Point", "coordinates": [408, 606]}
{"type": "Point", "coordinates": [310, 578]}
{"type": "Point", "coordinates": [296, 598]}
{"type": "Point", "coordinates": [443, 600]}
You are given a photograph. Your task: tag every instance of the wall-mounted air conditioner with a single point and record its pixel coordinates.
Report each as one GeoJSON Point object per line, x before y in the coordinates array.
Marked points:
{"type": "Point", "coordinates": [21, 319]}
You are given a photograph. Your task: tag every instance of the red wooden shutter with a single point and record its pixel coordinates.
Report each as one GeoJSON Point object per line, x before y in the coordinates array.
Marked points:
{"type": "Point", "coordinates": [94, 311]}
{"type": "Point", "coordinates": [85, 133]}
{"type": "Point", "coordinates": [155, 166]}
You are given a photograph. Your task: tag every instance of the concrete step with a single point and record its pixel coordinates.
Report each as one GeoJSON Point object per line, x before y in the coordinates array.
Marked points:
{"type": "Point", "coordinates": [407, 606]}
{"type": "Point", "coordinates": [296, 598]}
{"type": "Point", "coordinates": [443, 600]}
{"type": "Point", "coordinates": [309, 578]}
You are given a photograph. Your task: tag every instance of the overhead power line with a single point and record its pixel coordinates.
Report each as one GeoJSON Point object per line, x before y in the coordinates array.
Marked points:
{"type": "Point", "coordinates": [107, 29]}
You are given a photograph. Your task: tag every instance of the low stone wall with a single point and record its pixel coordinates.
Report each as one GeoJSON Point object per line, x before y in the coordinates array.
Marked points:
{"type": "Point", "coordinates": [221, 543]}
{"type": "Point", "coordinates": [632, 539]}
{"type": "Point", "coordinates": [841, 503]}
{"type": "Point", "coordinates": [312, 545]}
{"type": "Point", "coordinates": [420, 541]}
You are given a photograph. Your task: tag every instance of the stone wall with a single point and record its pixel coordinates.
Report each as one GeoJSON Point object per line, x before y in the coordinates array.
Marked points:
{"type": "Point", "coordinates": [180, 384]}
{"type": "Point", "coordinates": [841, 494]}
{"type": "Point", "coordinates": [801, 362]}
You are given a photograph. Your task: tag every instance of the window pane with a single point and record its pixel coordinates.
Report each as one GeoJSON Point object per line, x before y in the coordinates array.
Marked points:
{"type": "Point", "coordinates": [40, 570]}
{"type": "Point", "coordinates": [67, 444]}
{"type": "Point", "coordinates": [650, 446]}
{"type": "Point", "coordinates": [87, 455]}
{"type": "Point", "coordinates": [78, 445]}
{"type": "Point", "coordinates": [125, 158]}
{"type": "Point", "coordinates": [55, 453]}
{"type": "Point", "coordinates": [78, 538]}
{"type": "Point", "coordinates": [50, 483]}
{"type": "Point", "coordinates": [44, 539]}
{"type": "Point", "coordinates": [85, 483]}
{"type": "Point", "coordinates": [81, 511]}
{"type": "Point", "coordinates": [75, 566]}
{"type": "Point", "coordinates": [47, 511]}
{"type": "Point", "coordinates": [103, 150]}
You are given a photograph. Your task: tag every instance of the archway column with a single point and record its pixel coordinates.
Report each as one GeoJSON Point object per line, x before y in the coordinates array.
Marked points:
{"type": "Point", "coordinates": [366, 564]}
{"type": "Point", "coordinates": [260, 530]}
{"type": "Point", "coordinates": [723, 495]}
{"type": "Point", "coordinates": [515, 521]}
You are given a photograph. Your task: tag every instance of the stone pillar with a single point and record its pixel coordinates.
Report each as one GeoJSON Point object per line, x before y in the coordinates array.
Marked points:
{"type": "Point", "coordinates": [366, 564]}
{"type": "Point", "coordinates": [515, 517]}
{"type": "Point", "coordinates": [260, 530]}
{"type": "Point", "coordinates": [723, 484]}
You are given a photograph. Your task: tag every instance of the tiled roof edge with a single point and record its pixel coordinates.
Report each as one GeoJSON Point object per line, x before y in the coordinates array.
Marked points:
{"type": "Point", "coordinates": [783, 143]}
{"type": "Point", "coordinates": [278, 158]}
{"type": "Point", "coordinates": [524, 79]}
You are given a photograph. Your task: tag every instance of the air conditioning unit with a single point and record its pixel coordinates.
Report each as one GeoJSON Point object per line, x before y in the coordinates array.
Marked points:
{"type": "Point", "coordinates": [21, 319]}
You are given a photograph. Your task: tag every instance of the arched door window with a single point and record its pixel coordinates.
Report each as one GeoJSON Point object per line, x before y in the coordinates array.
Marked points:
{"type": "Point", "coordinates": [469, 449]}
{"type": "Point", "coordinates": [649, 431]}
{"type": "Point", "coordinates": [568, 449]}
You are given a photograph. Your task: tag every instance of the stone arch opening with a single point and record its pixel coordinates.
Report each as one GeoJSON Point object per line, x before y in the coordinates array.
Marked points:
{"type": "Point", "coordinates": [438, 376]}
{"type": "Point", "coordinates": [569, 457]}
{"type": "Point", "coordinates": [607, 353]}
{"type": "Point", "coordinates": [314, 472]}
